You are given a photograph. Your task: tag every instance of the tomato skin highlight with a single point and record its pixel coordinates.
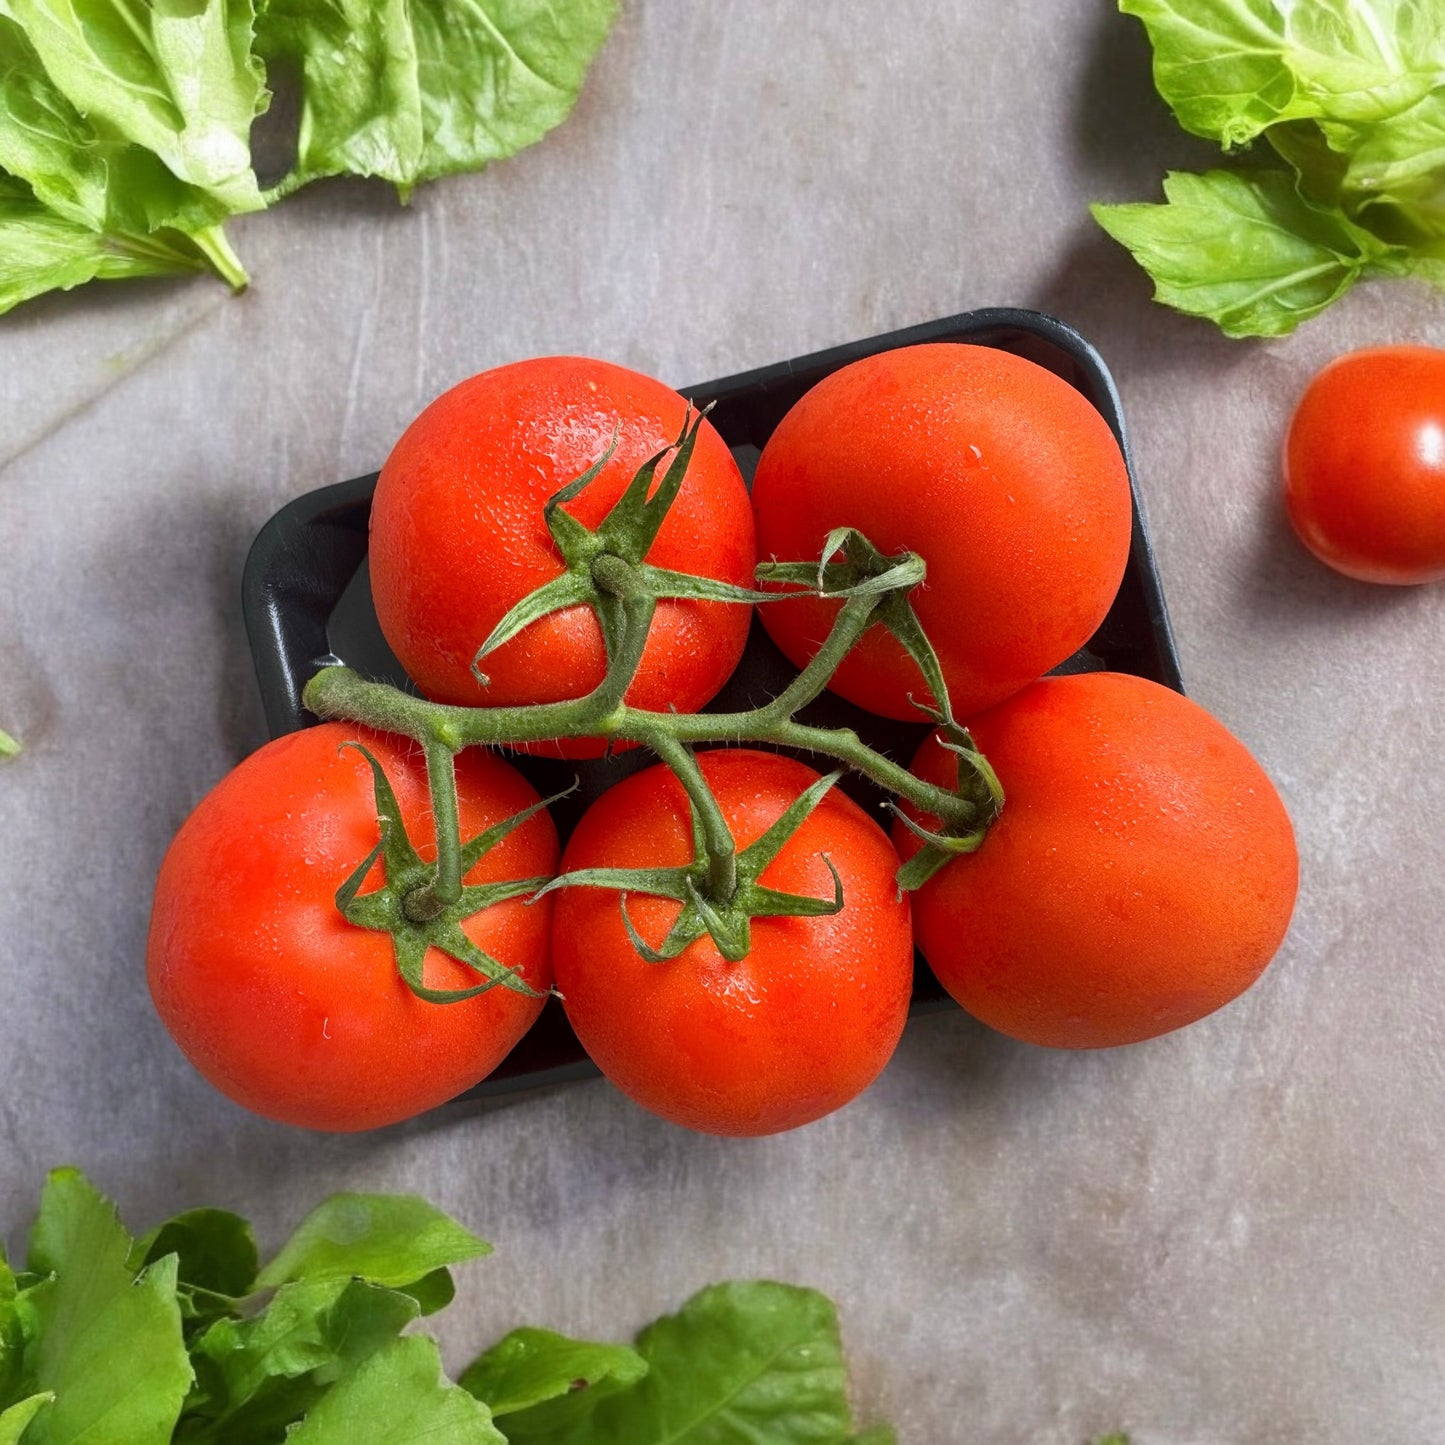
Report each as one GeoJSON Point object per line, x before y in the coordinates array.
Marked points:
{"type": "Point", "coordinates": [1141, 875]}
{"type": "Point", "coordinates": [458, 537]}
{"type": "Point", "coordinates": [283, 1005]}
{"type": "Point", "coordinates": [998, 473]}
{"type": "Point", "coordinates": [787, 1035]}
{"type": "Point", "coordinates": [1364, 465]}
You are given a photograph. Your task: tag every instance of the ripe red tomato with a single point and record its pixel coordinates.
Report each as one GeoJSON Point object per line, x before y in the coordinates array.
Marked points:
{"type": "Point", "coordinates": [1141, 875]}
{"type": "Point", "coordinates": [458, 537]}
{"type": "Point", "coordinates": [280, 1002]}
{"type": "Point", "coordinates": [805, 1022]}
{"type": "Point", "coordinates": [1364, 465]}
{"type": "Point", "coordinates": [999, 474]}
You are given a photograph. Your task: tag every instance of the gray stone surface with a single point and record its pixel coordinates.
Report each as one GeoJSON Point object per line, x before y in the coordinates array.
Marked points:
{"type": "Point", "coordinates": [1228, 1236]}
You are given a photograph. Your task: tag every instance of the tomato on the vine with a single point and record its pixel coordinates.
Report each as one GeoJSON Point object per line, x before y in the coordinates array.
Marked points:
{"type": "Point", "coordinates": [458, 537]}
{"type": "Point", "coordinates": [999, 474]}
{"type": "Point", "coordinates": [280, 1002]}
{"type": "Point", "coordinates": [1364, 465]}
{"type": "Point", "coordinates": [1141, 875]}
{"type": "Point", "coordinates": [791, 1032]}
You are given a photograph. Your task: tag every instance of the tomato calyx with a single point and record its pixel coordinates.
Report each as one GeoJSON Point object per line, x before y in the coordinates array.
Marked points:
{"type": "Point", "coordinates": [605, 566]}
{"type": "Point", "coordinates": [975, 781]}
{"type": "Point", "coordinates": [416, 906]}
{"type": "Point", "coordinates": [719, 889]}
{"type": "Point", "coordinates": [852, 567]}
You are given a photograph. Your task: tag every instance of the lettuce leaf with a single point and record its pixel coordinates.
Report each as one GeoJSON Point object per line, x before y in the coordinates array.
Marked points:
{"type": "Point", "coordinates": [739, 1361]}
{"type": "Point", "coordinates": [125, 125]}
{"type": "Point", "coordinates": [178, 1337]}
{"type": "Point", "coordinates": [397, 1397]}
{"type": "Point", "coordinates": [1245, 249]}
{"type": "Point", "coordinates": [409, 90]}
{"type": "Point", "coordinates": [175, 77]}
{"type": "Point", "coordinates": [1350, 95]}
{"type": "Point", "coordinates": [103, 1340]}
{"type": "Point", "coordinates": [42, 250]}
{"type": "Point", "coordinates": [1231, 68]}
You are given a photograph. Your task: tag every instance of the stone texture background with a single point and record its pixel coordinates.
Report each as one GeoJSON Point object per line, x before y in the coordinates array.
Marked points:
{"type": "Point", "coordinates": [1232, 1235]}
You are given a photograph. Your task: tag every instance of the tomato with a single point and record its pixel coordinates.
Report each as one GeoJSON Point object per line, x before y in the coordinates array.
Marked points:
{"type": "Point", "coordinates": [458, 537]}
{"type": "Point", "coordinates": [999, 474]}
{"type": "Point", "coordinates": [280, 1002]}
{"type": "Point", "coordinates": [1141, 875]}
{"type": "Point", "coordinates": [1364, 465]}
{"type": "Point", "coordinates": [801, 1025]}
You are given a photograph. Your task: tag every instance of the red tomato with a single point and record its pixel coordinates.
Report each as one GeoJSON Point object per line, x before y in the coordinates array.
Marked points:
{"type": "Point", "coordinates": [1364, 465]}
{"type": "Point", "coordinates": [805, 1022]}
{"type": "Point", "coordinates": [999, 474]}
{"type": "Point", "coordinates": [280, 1002]}
{"type": "Point", "coordinates": [458, 537]}
{"type": "Point", "coordinates": [1141, 874]}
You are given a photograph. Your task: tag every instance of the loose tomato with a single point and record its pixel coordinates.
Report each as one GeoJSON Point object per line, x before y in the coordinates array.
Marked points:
{"type": "Point", "coordinates": [791, 1032]}
{"type": "Point", "coordinates": [458, 537]}
{"type": "Point", "coordinates": [292, 1011]}
{"type": "Point", "coordinates": [1141, 875]}
{"type": "Point", "coordinates": [1364, 465]}
{"type": "Point", "coordinates": [999, 474]}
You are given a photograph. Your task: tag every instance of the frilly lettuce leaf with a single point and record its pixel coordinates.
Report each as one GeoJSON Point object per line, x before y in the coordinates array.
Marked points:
{"type": "Point", "coordinates": [1245, 249]}
{"type": "Point", "coordinates": [1350, 94]}
{"type": "Point", "coordinates": [409, 90]}
{"type": "Point", "coordinates": [1231, 68]}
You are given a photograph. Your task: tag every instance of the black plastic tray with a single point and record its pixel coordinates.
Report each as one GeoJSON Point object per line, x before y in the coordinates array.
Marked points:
{"type": "Point", "coordinates": [307, 602]}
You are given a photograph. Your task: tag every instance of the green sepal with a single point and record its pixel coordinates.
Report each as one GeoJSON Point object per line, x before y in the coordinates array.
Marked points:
{"type": "Point", "coordinates": [678, 937]}
{"type": "Point", "coordinates": [863, 572]}
{"type": "Point", "coordinates": [770, 903]}
{"type": "Point", "coordinates": [622, 538]}
{"type": "Point", "coordinates": [978, 785]}
{"type": "Point", "coordinates": [727, 923]}
{"type": "Point", "coordinates": [762, 850]}
{"type": "Point", "coordinates": [665, 583]}
{"type": "Point", "coordinates": [631, 527]}
{"type": "Point", "coordinates": [384, 909]}
{"type": "Point", "coordinates": [571, 589]}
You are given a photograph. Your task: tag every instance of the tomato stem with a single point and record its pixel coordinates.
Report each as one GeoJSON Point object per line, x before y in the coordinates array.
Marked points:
{"type": "Point", "coordinates": [721, 883]}
{"type": "Point", "coordinates": [441, 776]}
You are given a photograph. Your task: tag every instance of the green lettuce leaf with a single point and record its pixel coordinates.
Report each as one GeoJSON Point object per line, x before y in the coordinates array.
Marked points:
{"type": "Point", "coordinates": [409, 90]}
{"type": "Point", "coordinates": [739, 1362]}
{"type": "Point", "coordinates": [41, 250]}
{"type": "Point", "coordinates": [256, 1376]}
{"type": "Point", "coordinates": [1246, 250]}
{"type": "Point", "coordinates": [387, 1239]}
{"type": "Point", "coordinates": [543, 1382]}
{"type": "Point", "coordinates": [216, 1259]}
{"type": "Point", "coordinates": [1231, 68]}
{"type": "Point", "coordinates": [357, 68]}
{"type": "Point", "coordinates": [105, 1342]}
{"type": "Point", "coordinates": [176, 77]}
{"type": "Point", "coordinates": [397, 1397]}
{"type": "Point", "coordinates": [15, 1420]}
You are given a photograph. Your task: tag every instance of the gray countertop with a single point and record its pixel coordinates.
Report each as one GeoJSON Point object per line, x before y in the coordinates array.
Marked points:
{"type": "Point", "coordinates": [1232, 1234]}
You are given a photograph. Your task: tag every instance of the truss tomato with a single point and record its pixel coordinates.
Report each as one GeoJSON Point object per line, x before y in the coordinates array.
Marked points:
{"type": "Point", "coordinates": [280, 1002]}
{"type": "Point", "coordinates": [791, 1032]}
{"type": "Point", "coordinates": [1364, 465]}
{"type": "Point", "coordinates": [1141, 875]}
{"type": "Point", "coordinates": [999, 474]}
{"type": "Point", "coordinates": [458, 537]}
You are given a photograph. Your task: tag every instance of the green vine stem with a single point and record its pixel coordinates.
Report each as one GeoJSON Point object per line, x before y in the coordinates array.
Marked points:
{"type": "Point", "coordinates": [605, 568]}
{"type": "Point", "coordinates": [338, 693]}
